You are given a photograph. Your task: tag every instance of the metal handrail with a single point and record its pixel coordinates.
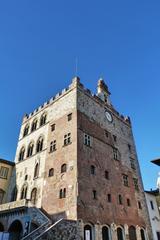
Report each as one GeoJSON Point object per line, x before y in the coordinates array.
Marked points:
{"type": "Point", "coordinates": [49, 228]}
{"type": "Point", "coordinates": [35, 230]}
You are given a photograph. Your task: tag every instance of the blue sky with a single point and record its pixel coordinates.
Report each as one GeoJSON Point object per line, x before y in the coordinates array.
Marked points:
{"type": "Point", "coordinates": [116, 40]}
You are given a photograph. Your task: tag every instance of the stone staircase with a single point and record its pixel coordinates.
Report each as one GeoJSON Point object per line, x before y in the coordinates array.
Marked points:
{"type": "Point", "coordinates": [60, 230]}
{"type": "Point", "coordinates": [37, 231]}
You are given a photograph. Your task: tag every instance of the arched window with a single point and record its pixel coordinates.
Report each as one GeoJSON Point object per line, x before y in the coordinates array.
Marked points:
{"type": "Point", "coordinates": [2, 193]}
{"type": "Point", "coordinates": [93, 170]}
{"type": "Point", "coordinates": [14, 194]}
{"type": "Point", "coordinates": [24, 191]}
{"type": "Point", "coordinates": [61, 193]}
{"type": "Point", "coordinates": [34, 125]}
{"type": "Point", "coordinates": [26, 130]}
{"type": "Point", "coordinates": [88, 232]}
{"type": "Point", "coordinates": [30, 150]}
{"type": "Point", "coordinates": [142, 234]}
{"type": "Point", "coordinates": [40, 145]}
{"type": "Point", "coordinates": [21, 154]}
{"type": "Point", "coordinates": [36, 171]}
{"type": "Point", "coordinates": [105, 233]}
{"type": "Point", "coordinates": [132, 233]}
{"type": "Point", "coordinates": [119, 234]}
{"type": "Point", "coordinates": [51, 172]}
{"type": "Point", "coordinates": [34, 196]}
{"type": "Point", "coordinates": [63, 168]}
{"type": "Point", "coordinates": [43, 119]}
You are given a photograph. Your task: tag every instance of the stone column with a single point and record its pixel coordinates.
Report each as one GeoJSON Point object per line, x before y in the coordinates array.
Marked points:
{"type": "Point", "coordinates": [97, 231]}
{"type": "Point", "coordinates": [126, 233]}
{"type": "Point", "coordinates": [138, 232]}
{"type": "Point", "coordinates": [80, 228]}
{"type": "Point", "coordinates": [113, 231]}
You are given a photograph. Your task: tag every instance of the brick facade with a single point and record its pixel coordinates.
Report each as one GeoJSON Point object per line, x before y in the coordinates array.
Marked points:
{"type": "Point", "coordinates": [100, 186]}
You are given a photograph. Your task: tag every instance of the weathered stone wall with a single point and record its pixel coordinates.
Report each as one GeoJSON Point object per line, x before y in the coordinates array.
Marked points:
{"type": "Point", "coordinates": [62, 105]}
{"type": "Point", "coordinates": [66, 230]}
{"type": "Point", "coordinates": [68, 180]}
{"type": "Point", "coordinates": [92, 120]}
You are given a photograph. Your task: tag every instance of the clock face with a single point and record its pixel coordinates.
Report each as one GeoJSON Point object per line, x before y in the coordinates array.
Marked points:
{"type": "Point", "coordinates": [109, 116]}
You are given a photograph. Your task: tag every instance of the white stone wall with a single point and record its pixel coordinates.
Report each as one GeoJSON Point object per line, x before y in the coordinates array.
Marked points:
{"type": "Point", "coordinates": [153, 214]}
{"type": "Point", "coordinates": [64, 104]}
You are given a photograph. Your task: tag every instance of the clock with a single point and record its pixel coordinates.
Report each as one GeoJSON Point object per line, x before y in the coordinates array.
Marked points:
{"type": "Point", "coordinates": [109, 116]}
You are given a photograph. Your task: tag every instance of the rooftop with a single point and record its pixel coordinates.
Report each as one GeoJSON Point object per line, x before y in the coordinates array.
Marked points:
{"type": "Point", "coordinates": [156, 161]}
{"type": "Point", "coordinates": [7, 162]}
{"type": "Point", "coordinates": [153, 192]}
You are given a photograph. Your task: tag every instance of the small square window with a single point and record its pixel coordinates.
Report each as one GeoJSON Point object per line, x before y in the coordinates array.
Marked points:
{"type": "Point", "coordinates": [114, 138]}
{"type": "Point", "coordinates": [136, 186]}
{"type": "Point", "coordinates": [4, 172]}
{"type": "Point", "coordinates": [152, 206]}
{"type": "Point", "coordinates": [106, 173]}
{"type": "Point", "coordinates": [120, 199]}
{"type": "Point", "coordinates": [139, 205]}
{"type": "Point", "coordinates": [132, 162]}
{"type": "Point", "coordinates": [69, 117]}
{"type": "Point", "coordinates": [115, 153]}
{"type": "Point", "coordinates": [106, 133]}
{"type": "Point", "coordinates": [67, 139]}
{"type": "Point", "coordinates": [53, 146]}
{"type": "Point", "coordinates": [129, 147]}
{"type": "Point", "coordinates": [93, 170]}
{"type": "Point", "coordinates": [128, 202]}
{"type": "Point", "coordinates": [53, 127]}
{"type": "Point", "coordinates": [87, 140]}
{"type": "Point", "coordinates": [26, 177]}
{"type": "Point", "coordinates": [125, 180]}
{"type": "Point", "coordinates": [109, 197]}
{"type": "Point", "coordinates": [94, 194]}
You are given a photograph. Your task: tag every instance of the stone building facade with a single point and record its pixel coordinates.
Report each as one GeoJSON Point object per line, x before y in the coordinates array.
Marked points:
{"type": "Point", "coordinates": [6, 169]}
{"type": "Point", "coordinates": [153, 212]}
{"type": "Point", "coordinates": [76, 160]}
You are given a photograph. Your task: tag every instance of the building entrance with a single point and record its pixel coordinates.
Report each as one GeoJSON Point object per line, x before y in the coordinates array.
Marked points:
{"type": "Point", "coordinates": [15, 230]}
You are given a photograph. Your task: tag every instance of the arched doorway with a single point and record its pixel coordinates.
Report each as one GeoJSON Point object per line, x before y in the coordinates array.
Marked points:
{"type": "Point", "coordinates": [15, 230]}
{"type": "Point", "coordinates": [88, 232]}
{"type": "Point", "coordinates": [34, 196]}
{"type": "Point", "coordinates": [1, 227]}
{"type": "Point", "coordinates": [120, 233]}
{"type": "Point", "coordinates": [132, 233]}
{"type": "Point", "coordinates": [105, 233]}
{"type": "Point", "coordinates": [142, 234]}
{"type": "Point", "coordinates": [34, 226]}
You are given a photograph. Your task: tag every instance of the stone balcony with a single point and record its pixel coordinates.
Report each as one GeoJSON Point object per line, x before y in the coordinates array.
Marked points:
{"type": "Point", "coordinates": [13, 205]}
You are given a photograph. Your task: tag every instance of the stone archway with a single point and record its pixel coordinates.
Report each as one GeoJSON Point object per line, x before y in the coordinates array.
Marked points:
{"type": "Point", "coordinates": [88, 232]}
{"type": "Point", "coordinates": [15, 230]}
{"type": "Point", "coordinates": [132, 233]}
{"type": "Point", "coordinates": [1, 227]}
{"type": "Point", "coordinates": [120, 233]}
{"type": "Point", "coordinates": [142, 234]}
{"type": "Point", "coordinates": [105, 233]}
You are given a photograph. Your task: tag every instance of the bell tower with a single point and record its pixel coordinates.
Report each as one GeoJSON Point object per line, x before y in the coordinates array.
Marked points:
{"type": "Point", "coordinates": [103, 92]}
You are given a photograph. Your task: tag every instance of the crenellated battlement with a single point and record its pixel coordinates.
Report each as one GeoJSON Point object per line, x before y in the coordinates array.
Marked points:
{"type": "Point", "coordinates": [75, 83]}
